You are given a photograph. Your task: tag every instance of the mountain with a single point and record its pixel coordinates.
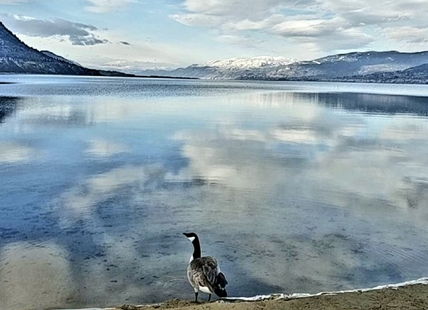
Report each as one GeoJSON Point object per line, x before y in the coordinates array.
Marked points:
{"type": "Point", "coordinates": [249, 63]}
{"type": "Point", "coordinates": [413, 75]}
{"type": "Point", "coordinates": [231, 68]}
{"type": "Point", "coordinates": [350, 66]}
{"type": "Point", "coordinates": [17, 57]}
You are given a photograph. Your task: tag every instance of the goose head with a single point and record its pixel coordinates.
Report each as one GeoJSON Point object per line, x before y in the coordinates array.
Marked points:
{"type": "Point", "coordinates": [191, 236]}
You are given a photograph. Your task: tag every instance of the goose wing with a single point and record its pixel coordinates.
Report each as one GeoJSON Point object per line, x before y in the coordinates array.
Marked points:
{"type": "Point", "coordinates": [205, 271]}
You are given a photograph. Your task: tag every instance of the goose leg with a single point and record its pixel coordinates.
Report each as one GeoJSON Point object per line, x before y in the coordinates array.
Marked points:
{"type": "Point", "coordinates": [209, 297]}
{"type": "Point", "coordinates": [196, 297]}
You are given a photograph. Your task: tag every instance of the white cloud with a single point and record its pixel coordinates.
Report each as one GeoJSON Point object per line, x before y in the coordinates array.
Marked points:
{"type": "Point", "coordinates": [407, 34]}
{"type": "Point", "coordinates": [249, 24]}
{"type": "Point", "coordinates": [75, 33]}
{"type": "Point", "coordinates": [105, 6]}
{"type": "Point", "coordinates": [324, 26]}
{"type": "Point", "coordinates": [255, 9]}
{"type": "Point", "coordinates": [238, 40]}
{"type": "Point", "coordinates": [344, 40]}
{"type": "Point", "coordinates": [195, 19]}
{"type": "Point", "coordinates": [302, 28]}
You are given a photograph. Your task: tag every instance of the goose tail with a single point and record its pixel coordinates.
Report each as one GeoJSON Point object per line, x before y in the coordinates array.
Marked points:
{"type": "Point", "coordinates": [220, 288]}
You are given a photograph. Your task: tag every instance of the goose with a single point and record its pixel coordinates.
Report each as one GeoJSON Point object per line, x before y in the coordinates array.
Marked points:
{"type": "Point", "coordinates": [203, 272]}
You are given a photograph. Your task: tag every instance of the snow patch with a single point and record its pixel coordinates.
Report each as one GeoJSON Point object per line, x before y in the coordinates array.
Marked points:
{"type": "Point", "coordinates": [249, 63]}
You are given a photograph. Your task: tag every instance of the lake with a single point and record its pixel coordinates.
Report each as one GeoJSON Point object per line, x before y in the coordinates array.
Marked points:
{"type": "Point", "coordinates": [292, 186]}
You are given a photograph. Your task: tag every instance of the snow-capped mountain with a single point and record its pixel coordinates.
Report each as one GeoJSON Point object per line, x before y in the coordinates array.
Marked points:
{"type": "Point", "coordinates": [248, 63]}
{"type": "Point", "coordinates": [280, 68]}
{"type": "Point", "coordinates": [231, 68]}
{"type": "Point", "coordinates": [343, 66]}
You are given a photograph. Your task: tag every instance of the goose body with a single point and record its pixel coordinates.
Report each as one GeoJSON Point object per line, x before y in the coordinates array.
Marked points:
{"type": "Point", "coordinates": [204, 273]}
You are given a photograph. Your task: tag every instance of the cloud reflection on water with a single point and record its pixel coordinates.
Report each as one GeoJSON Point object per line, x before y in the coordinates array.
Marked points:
{"type": "Point", "coordinates": [14, 152]}
{"type": "Point", "coordinates": [79, 202]}
{"type": "Point", "coordinates": [105, 148]}
{"type": "Point", "coordinates": [366, 157]}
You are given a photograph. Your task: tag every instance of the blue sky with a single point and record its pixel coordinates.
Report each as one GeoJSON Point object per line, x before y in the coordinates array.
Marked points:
{"type": "Point", "coordinates": [131, 35]}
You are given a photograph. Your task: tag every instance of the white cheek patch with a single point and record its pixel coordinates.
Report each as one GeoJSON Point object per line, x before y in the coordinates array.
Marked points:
{"type": "Point", "coordinates": [191, 239]}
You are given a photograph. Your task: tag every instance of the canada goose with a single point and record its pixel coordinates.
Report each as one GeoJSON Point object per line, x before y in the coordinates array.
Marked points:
{"type": "Point", "coordinates": [203, 272]}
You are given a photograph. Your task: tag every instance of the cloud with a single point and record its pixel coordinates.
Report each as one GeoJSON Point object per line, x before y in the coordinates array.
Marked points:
{"type": "Point", "coordinates": [324, 26]}
{"type": "Point", "coordinates": [407, 34]}
{"type": "Point", "coordinates": [304, 28]}
{"type": "Point", "coordinates": [195, 19]}
{"type": "Point", "coordinates": [240, 8]}
{"type": "Point", "coordinates": [105, 6]}
{"type": "Point", "coordinates": [238, 40]}
{"type": "Point", "coordinates": [76, 33]}
{"type": "Point", "coordinates": [345, 39]}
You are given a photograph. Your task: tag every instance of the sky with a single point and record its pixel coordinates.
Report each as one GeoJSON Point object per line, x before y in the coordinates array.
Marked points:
{"type": "Point", "coordinates": [132, 35]}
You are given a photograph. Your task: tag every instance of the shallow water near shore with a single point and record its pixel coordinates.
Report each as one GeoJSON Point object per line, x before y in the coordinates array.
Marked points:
{"type": "Point", "coordinates": [293, 187]}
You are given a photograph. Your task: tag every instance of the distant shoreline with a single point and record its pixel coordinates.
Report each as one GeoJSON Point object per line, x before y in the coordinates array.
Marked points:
{"type": "Point", "coordinates": [124, 75]}
{"type": "Point", "coordinates": [349, 80]}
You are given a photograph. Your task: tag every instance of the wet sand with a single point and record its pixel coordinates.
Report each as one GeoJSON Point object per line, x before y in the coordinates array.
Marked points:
{"type": "Point", "coordinates": [405, 297]}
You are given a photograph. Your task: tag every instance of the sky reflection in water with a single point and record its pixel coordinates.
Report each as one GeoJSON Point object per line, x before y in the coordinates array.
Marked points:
{"type": "Point", "coordinates": [293, 190]}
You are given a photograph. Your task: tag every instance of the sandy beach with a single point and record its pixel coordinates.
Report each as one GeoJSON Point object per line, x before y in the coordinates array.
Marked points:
{"type": "Point", "coordinates": [410, 296]}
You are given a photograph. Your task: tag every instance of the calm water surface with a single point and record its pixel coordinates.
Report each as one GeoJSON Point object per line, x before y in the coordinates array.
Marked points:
{"type": "Point", "coordinates": [294, 187]}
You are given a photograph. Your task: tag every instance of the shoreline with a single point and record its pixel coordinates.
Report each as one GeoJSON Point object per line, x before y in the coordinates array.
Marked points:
{"type": "Point", "coordinates": [405, 295]}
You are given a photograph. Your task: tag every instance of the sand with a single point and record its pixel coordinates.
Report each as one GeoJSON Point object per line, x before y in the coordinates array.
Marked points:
{"type": "Point", "coordinates": [404, 297]}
